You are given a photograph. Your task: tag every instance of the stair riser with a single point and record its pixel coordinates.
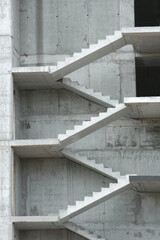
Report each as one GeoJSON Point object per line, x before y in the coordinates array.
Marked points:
{"type": "Point", "coordinates": [66, 216]}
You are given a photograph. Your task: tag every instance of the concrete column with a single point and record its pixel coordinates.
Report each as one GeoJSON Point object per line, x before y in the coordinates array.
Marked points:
{"type": "Point", "coordinates": [6, 117]}
{"type": "Point", "coordinates": [5, 191]}
{"type": "Point", "coordinates": [6, 86]}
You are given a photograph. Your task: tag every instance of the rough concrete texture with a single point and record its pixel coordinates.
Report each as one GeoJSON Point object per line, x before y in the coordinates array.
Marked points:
{"type": "Point", "coordinates": [50, 30]}
{"type": "Point", "coordinates": [5, 191]}
{"type": "Point", "coordinates": [6, 119]}
{"type": "Point", "coordinates": [6, 92]}
{"type": "Point", "coordinates": [55, 22]}
{"type": "Point", "coordinates": [65, 27]}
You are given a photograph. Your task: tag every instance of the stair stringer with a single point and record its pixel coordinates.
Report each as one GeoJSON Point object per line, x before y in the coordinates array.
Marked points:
{"type": "Point", "coordinates": [93, 125]}
{"type": "Point", "coordinates": [88, 55]}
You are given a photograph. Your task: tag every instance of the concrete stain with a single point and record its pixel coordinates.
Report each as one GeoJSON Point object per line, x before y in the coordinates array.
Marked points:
{"type": "Point", "coordinates": [137, 210]}
{"type": "Point", "coordinates": [138, 235]}
{"type": "Point", "coordinates": [152, 232]}
{"type": "Point", "coordinates": [34, 211]}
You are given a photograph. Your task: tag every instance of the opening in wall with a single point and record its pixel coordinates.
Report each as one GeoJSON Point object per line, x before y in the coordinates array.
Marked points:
{"type": "Point", "coordinates": [147, 78]}
{"type": "Point", "coordinates": [147, 13]}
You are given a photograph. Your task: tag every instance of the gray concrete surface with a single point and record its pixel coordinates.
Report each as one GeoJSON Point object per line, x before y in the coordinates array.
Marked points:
{"type": "Point", "coordinates": [144, 107]}
{"type": "Point", "coordinates": [145, 184]}
{"type": "Point", "coordinates": [36, 148]}
{"type": "Point", "coordinates": [6, 118]}
{"type": "Point", "coordinates": [41, 33]}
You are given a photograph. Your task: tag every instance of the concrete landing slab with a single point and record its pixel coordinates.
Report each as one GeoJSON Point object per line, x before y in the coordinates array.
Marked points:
{"type": "Point", "coordinates": [36, 148]}
{"type": "Point", "coordinates": [36, 222]}
{"type": "Point", "coordinates": [145, 184]}
{"type": "Point", "coordinates": [33, 77]}
{"type": "Point", "coordinates": [144, 107]}
{"type": "Point", "coordinates": [143, 39]}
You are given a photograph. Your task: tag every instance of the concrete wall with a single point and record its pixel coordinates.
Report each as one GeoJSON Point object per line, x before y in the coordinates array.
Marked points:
{"type": "Point", "coordinates": [48, 185]}
{"type": "Point", "coordinates": [54, 27]}
{"type": "Point", "coordinates": [59, 27]}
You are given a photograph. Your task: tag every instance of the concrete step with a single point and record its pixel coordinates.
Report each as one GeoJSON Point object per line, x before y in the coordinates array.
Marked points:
{"type": "Point", "coordinates": [81, 231]}
{"type": "Point", "coordinates": [91, 164]}
{"type": "Point", "coordinates": [88, 55]}
{"type": "Point", "coordinates": [93, 125]}
{"type": "Point", "coordinates": [95, 199]}
{"type": "Point", "coordinates": [89, 94]}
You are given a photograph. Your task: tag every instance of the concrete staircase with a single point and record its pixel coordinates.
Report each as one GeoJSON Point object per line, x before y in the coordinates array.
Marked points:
{"type": "Point", "coordinates": [94, 124]}
{"type": "Point", "coordinates": [89, 94]}
{"type": "Point", "coordinates": [88, 55]}
{"type": "Point", "coordinates": [94, 200]}
{"type": "Point", "coordinates": [91, 164]}
{"type": "Point", "coordinates": [82, 232]}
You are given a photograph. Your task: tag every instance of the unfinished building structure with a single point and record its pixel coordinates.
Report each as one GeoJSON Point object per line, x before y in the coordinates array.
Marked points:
{"type": "Point", "coordinates": [79, 119]}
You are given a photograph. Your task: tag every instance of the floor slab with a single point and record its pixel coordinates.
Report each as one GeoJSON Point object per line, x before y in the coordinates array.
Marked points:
{"type": "Point", "coordinates": [36, 222]}
{"type": "Point", "coordinates": [143, 39]}
{"type": "Point", "coordinates": [36, 148]}
{"type": "Point", "coordinates": [145, 184]}
{"type": "Point", "coordinates": [144, 107]}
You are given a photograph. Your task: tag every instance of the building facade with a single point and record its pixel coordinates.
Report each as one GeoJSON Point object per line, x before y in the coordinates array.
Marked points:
{"type": "Point", "coordinates": [79, 119]}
